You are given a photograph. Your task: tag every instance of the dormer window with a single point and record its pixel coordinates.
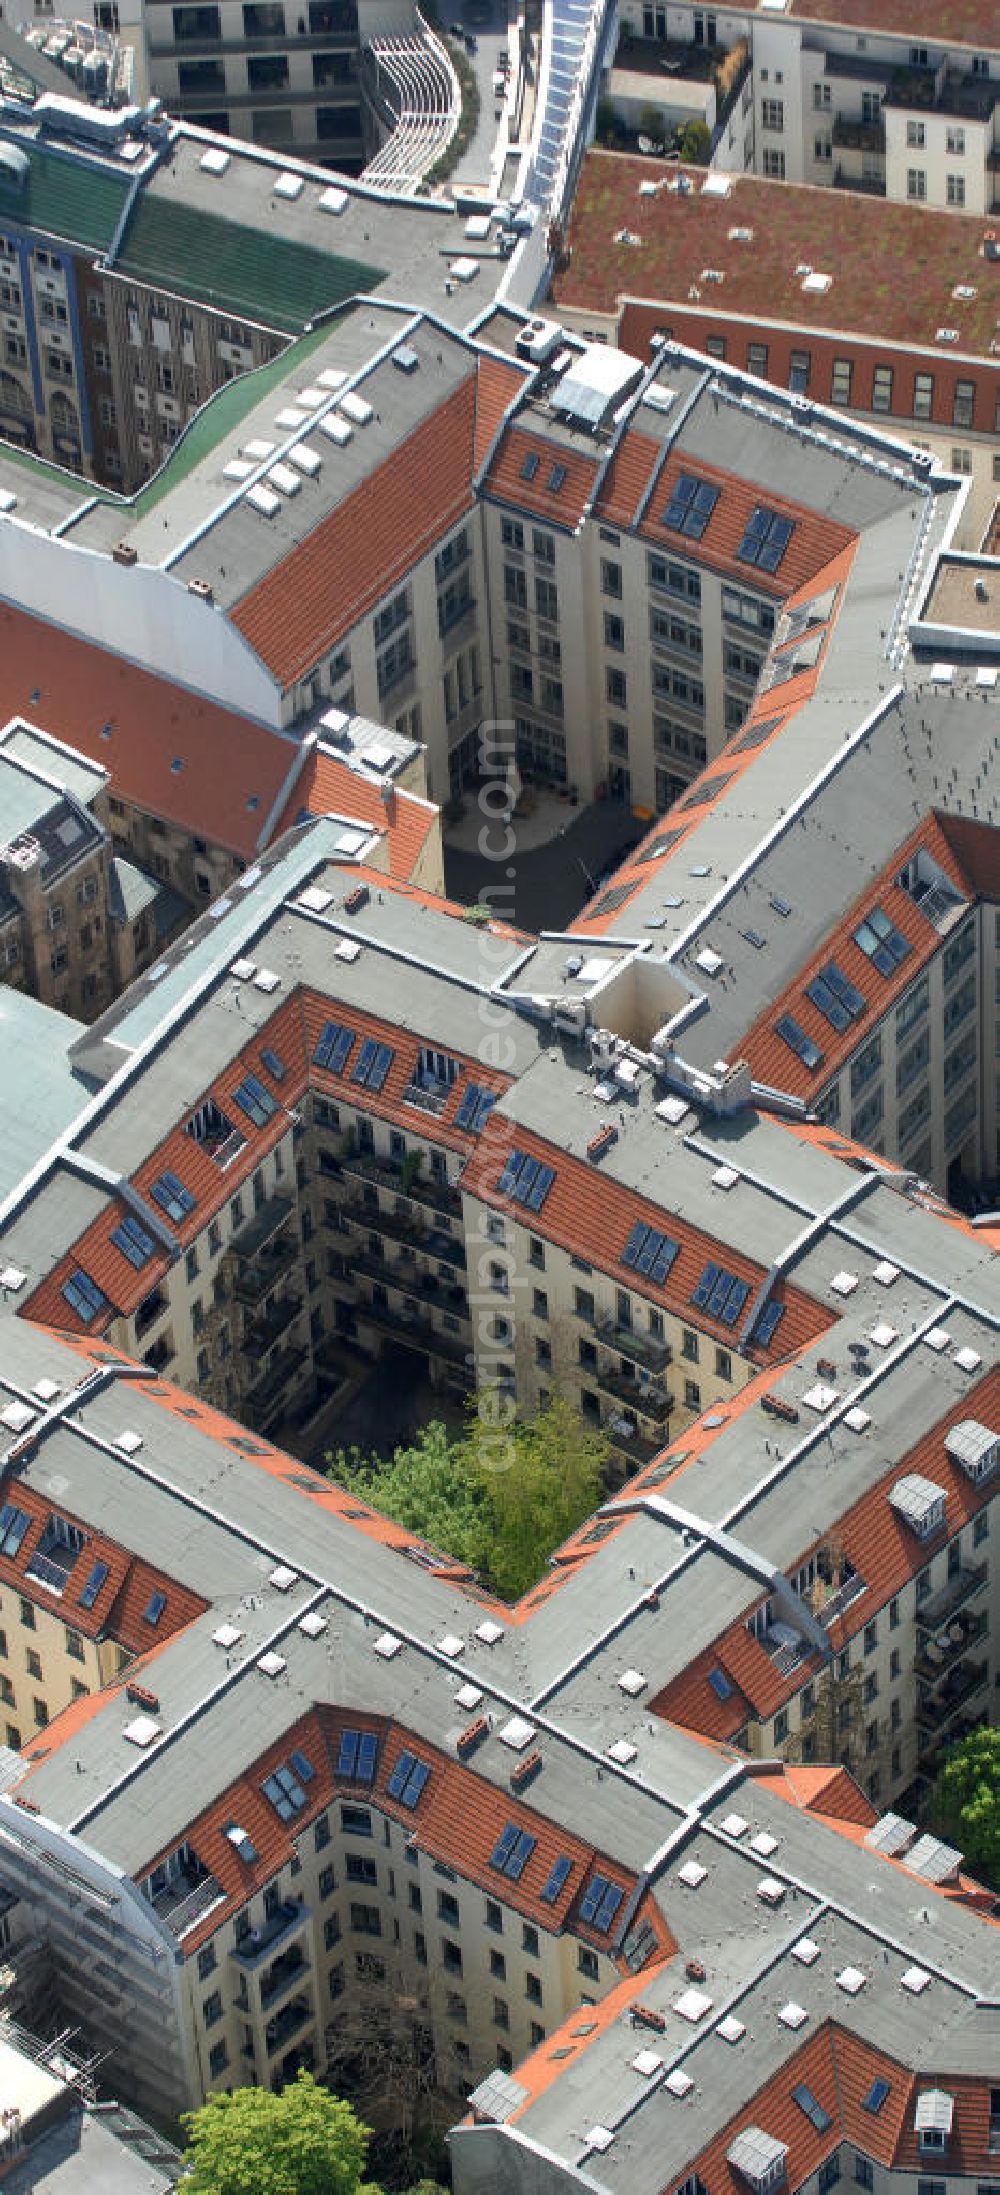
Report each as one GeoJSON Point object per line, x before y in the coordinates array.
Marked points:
{"type": "Point", "coordinates": [932, 2121]}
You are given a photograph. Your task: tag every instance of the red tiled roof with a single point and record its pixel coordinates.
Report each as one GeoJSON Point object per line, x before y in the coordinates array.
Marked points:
{"type": "Point", "coordinates": [118, 1606]}
{"type": "Point", "coordinates": [827, 1790]}
{"type": "Point", "coordinates": [498, 382]}
{"type": "Point", "coordinates": [814, 543]}
{"type": "Point", "coordinates": [586, 1212]}
{"type": "Point", "coordinates": [459, 1819]}
{"type": "Point", "coordinates": [626, 478]}
{"type": "Point", "coordinates": [882, 1549]}
{"type": "Point", "coordinates": [366, 545]}
{"type": "Point", "coordinates": [226, 760]}
{"type": "Point", "coordinates": [505, 479]}
{"type": "Point", "coordinates": [771, 1059]}
{"type": "Point", "coordinates": [328, 787]}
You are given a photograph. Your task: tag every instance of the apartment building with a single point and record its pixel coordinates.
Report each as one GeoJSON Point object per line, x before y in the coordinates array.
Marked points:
{"type": "Point", "coordinates": [785, 284]}
{"type": "Point", "coordinates": [884, 108]}
{"type": "Point", "coordinates": [293, 1813]}
{"type": "Point", "coordinates": [268, 73]}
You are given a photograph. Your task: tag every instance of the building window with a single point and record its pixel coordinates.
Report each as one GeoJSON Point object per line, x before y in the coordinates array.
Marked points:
{"type": "Point", "coordinates": [964, 404]}
{"type": "Point", "coordinates": [961, 461]}
{"type": "Point", "coordinates": [772, 115]}
{"type": "Point", "coordinates": [774, 163]}
{"type": "Point", "coordinates": [955, 185]}
{"type": "Point", "coordinates": [757, 360]}
{"type": "Point", "coordinates": [882, 389]}
{"type": "Point", "coordinates": [611, 579]}
{"type": "Point", "coordinates": [692, 1395]}
{"type": "Point", "coordinates": [916, 183]}
{"type": "Point", "coordinates": [840, 386]}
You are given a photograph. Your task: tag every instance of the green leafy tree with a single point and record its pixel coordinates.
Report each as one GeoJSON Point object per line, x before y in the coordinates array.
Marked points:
{"type": "Point", "coordinates": [696, 143]}
{"type": "Point", "coordinates": [966, 1801]}
{"type": "Point", "coordinates": [651, 121]}
{"type": "Point", "coordinates": [302, 2141]}
{"type": "Point", "coordinates": [500, 1498]}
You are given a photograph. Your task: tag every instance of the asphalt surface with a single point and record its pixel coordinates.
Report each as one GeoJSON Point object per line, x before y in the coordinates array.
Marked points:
{"type": "Point", "coordinates": [486, 21]}
{"type": "Point", "coordinates": [550, 883]}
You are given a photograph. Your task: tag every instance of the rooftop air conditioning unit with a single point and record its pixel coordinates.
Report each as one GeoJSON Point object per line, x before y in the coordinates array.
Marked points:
{"type": "Point", "coordinates": [538, 341]}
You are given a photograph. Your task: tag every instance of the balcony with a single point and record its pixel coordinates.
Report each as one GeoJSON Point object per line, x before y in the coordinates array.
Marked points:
{"type": "Point", "coordinates": [160, 1355]}
{"type": "Point", "coordinates": [850, 135]}
{"type": "Point", "coordinates": [871, 186]}
{"type": "Point", "coordinates": [279, 1926]}
{"type": "Point", "coordinates": [646, 1401]}
{"type": "Point", "coordinates": [943, 91]}
{"type": "Point", "coordinates": [186, 1899]}
{"type": "Point", "coordinates": [644, 1349]}
{"type": "Point", "coordinates": [262, 1398]}
{"type": "Point", "coordinates": [964, 1683]}
{"type": "Point", "coordinates": [427, 1094]}
{"type": "Point", "coordinates": [431, 1241]}
{"type": "Point", "coordinates": [280, 2030]}
{"type": "Point", "coordinates": [623, 1436]}
{"type": "Point", "coordinates": [422, 1189]}
{"type": "Point", "coordinates": [417, 1333]}
{"type": "Point", "coordinates": [940, 1654]}
{"type": "Point", "coordinates": [150, 1309]}
{"type": "Point", "coordinates": [406, 1276]}
{"type": "Point", "coordinates": [262, 1333]}
{"type": "Point", "coordinates": [291, 1967]}
{"type": "Point", "coordinates": [933, 1614]}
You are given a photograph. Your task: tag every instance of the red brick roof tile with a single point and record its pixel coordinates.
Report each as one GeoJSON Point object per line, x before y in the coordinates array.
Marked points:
{"type": "Point", "coordinates": [814, 543]}
{"type": "Point", "coordinates": [506, 482]}
{"type": "Point", "coordinates": [328, 787]}
{"type": "Point", "coordinates": [366, 545]}
{"type": "Point", "coordinates": [498, 382]}
{"type": "Point", "coordinates": [626, 478]}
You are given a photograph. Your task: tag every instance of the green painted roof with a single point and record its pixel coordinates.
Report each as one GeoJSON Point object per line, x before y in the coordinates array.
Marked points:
{"type": "Point", "coordinates": [65, 197]}
{"type": "Point", "coordinates": [239, 269]}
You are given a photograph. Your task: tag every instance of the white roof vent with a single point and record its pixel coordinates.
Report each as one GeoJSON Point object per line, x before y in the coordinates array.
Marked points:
{"type": "Point", "coordinates": [258, 449]}
{"type": "Point", "coordinates": [710, 962]}
{"type": "Point", "coordinates": [885, 1272]}
{"type": "Point", "coordinates": [946, 335]}
{"type": "Point", "coordinates": [45, 1389]}
{"type": "Point", "coordinates": [491, 1633]}
{"type": "Point", "coordinates": [764, 1844]}
{"type": "Point", "coordinates": [451, 1645]}
{"type": "Point", "coordinates": [468, 1696]}
{"type": "Point", "coordinates": [142, 1730]}
{"type": "Point", "coordinates": [214, 162]}
{"type": "Point", "coordinates": [844, 1284]}
{"type": "Point", "coordinates": [632, 1682]}
{"type": "Point", "coordinates": [725, 1177]}
{"type": "Point", "coordinates": [336, 429]}
{"type": "Point", "coordinates": [692, 1874]}
{"type": "Point", "coordinates": [314, 901]}
{"type": "Point", "coordinates": [312, 1624]}
{"type": "Point", "coordinates": [283, 477]}
{"type": "Point", "coordinates": [130, 1442]}
{"type": "Point", "coordinates": [289, 186]}
{"type": "Point", "coordinates": [770, 1891]}
{"type": "Point", "coordinates": [937, 1338]}
{"type": "Point", "coordinates": [293, 415]}
{"type": "Point", "coordinates": [264, 500]}
{"type": "Point", "coordinates": [679, 2082]}
{"type": "Point", "coordinates": [692, 2006]}
{"type": "Point", "coordinates": [600, 2138]}
{"type": "Point", "coordinates": [517, 1733]}
{"type": "Point", "coordinates": [12, 1278]}
{"type": "Point", "coordinates": [793, 2015]}
{"type": "Point", "coordinates": [915, 1980]}
{"type": "Point", "coordinates": [851, 1980]}
{"type": "Point", "coordinates": [348, 949]}
{"type": "Point", "coordinates": [388, 1646]}
{"type": "Point", "coordinates": [734, 1825]}
{"type": "Point", "coordinates": [266, 980]}
{"type": "Point", "coordinates": [282, 1578]}
{"type": "Point", "coordinates": [883, 1335]}
{"type": "Point", "coordinates": [647, 2063]}
{"type": "Point", "coordinates": [805, 1951]}
{"type": "Point", "coordinates": [622, 1752]}
{"type": "Point", "coordinates": [967, 1360]}
{"type": "Point", "coordinates": [227, 1635]}
{"type": "Point", "coordinates": [333, 201]}
{"type": "Point", "coordinates": [271, 1665]}
{"type": "Point", "coordinates": [856, 1419]}
{"type": "Point", "coordinates": [243, 970]}
{"type": "Point", "coordinates": [16, 1416]}
{"type": "Point", "coordinates": [305, 459]}
{"type": "Point", "coordinates": [731, 2030]}
{"type": "Point", "coordinates": [357, 408]}
{"type": "Point", "coordinates": [820, 1397]}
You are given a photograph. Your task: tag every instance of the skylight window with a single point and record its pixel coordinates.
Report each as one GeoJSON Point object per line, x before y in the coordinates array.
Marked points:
{"type": "Point", "coordinates": [690, 507]}
{"type": "Point", "coordinates": [132, 1239]}
{"type": "Point", "coordinates": [649, 1252]}
{"type": "Point", "coordinates": [838, 1000]}
{"type": "Point", "coordinates": [408, 1779]}
{"type": "Point", "coordinates": [529, 465]}
{"type": "Point", "coordinates": [720, 1294]}
{"type": "Point", "coordinates": [767, 1325]}
{"type": "Point", "coordinates": [556, 479]}
{"type": "Point", "coordinates": [373, 1063]}
{"type": "Point", "coordinates": [172, 1197]}
{"type": "Point", "coordinates": [14, 1523]}
{"type": "Point", "coordinates": [285, 1793]}
{"type": "Point", "coordinates": [334, 1048]}
{"type": "Point", "coordinates": [797, 1041]}
{"type": "Point", "coordinates": [556, 1881]}
{"type": "Point", "coordinates": [274, 1063]}
{"type": "Point", "coordinates": [600, 1903]}
{"type": "Point", "coordinates": [720, 1684]}
{"type": "Point", "coordinates": [766, 539]}
{"type": "Point", "coordinates": [512, 1851]}
{"type": "Point", "coordinates": [810, 2104]}
{"type": "Point", "coordinates": [93, 1585]}
{"type": "Point", "coordinates": [358, 1755]}
{"type": "Point", "coordinates": [876, 2097]}
{"type": "Point", "coordinates": [84, 1296]}
{"type": "Point", "coordinates": [526, 1181]}
{"type": "Point", "coordinates": [475, 1108]}
{"type": "Point", "coordinates": [881, 942]}
{"type": "Point", "coordinates": [256, 1102]}
{"type": "Point", "coordinates": [154, 1608]}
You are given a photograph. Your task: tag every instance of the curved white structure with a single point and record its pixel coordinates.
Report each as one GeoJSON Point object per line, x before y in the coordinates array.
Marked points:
{"type": "Point", "coordinates": [417, 83]}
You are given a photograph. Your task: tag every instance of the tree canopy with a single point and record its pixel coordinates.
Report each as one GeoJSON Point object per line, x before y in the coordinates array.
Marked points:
{"type": "Point", "coordinates": [499, 1498]}
{"type": "Point", "coordinates": [302, 2141]}
{"type": "Point", "coordinates": [966, 1801]}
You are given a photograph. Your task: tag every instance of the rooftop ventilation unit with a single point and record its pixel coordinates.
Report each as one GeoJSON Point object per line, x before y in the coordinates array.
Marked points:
{"type": "Point", "coordinates": [538, 340]}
